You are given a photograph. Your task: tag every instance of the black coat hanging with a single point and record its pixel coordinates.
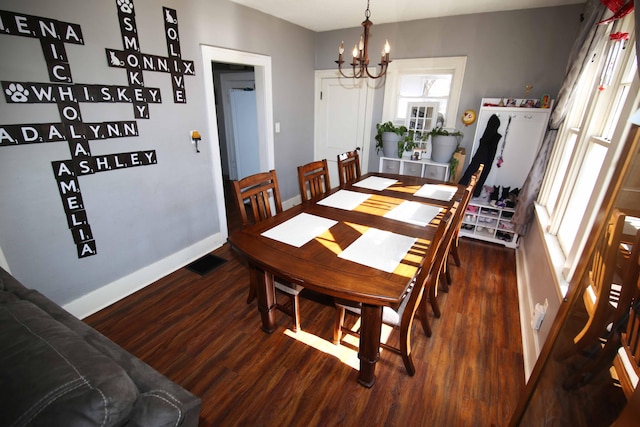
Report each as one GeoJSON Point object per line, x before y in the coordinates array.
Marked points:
{"type": "Point", "coordinates": [485, 154]}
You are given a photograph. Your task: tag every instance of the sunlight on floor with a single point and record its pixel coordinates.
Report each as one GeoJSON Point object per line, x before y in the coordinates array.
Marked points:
{"type": "Point", "coordinates": [346, 352]}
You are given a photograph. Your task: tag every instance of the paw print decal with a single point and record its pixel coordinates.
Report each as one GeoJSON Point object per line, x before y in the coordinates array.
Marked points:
{"type": "Point", "coordinates": [125, 6]}
{"type": "Point", "coordinates": [17, 93]}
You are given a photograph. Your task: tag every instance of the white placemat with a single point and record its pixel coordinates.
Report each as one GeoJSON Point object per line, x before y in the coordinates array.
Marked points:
{"type": "Point", "coordinates": [414, 213]}
{"type": "Point", "coordinates": [375, 183]}
{"type": "Point", "coordinates": [378, 249]}
{"type": "Point", "coordinates": [436, 191]}
{"type": "Point", "coordinates": [300, 229]}
{"type": "Point", "coordinates": [345, 199]}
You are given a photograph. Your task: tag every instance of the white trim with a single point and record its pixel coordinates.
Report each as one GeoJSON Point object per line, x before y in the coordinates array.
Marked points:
{"type": "Point", "coordinates": [96, 300]}
{"type": "Point", "coordinates": [529, 350]}
{"type": "Point", "coordinates": [455, 64]}
{"type": "Point", "coordinates": [264, 99]}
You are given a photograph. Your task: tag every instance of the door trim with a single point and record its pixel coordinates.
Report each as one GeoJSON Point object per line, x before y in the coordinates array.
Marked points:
{"type": "Point", "coordinates": [264, 100]}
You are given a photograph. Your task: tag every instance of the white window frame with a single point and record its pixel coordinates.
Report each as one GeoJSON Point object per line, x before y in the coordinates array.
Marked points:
{"type": "Point", "coordinates": [453, 65]}
{"type": "Point", "coordinates": [585, 124]}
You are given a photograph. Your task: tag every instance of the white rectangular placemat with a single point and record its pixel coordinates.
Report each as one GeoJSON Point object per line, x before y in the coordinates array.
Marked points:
{"type": "Point", "coordinates": [436, 191]}
{"type": "Point", "coordinates": [414, 213]}
{"type": "Point", "coordinates": [344, 199]}
{"type": "Point", "coordinates": [375, 183]}
{"type": "Point", "coordinates": [378, 249]}
{"type": "Point", "coordinates": [300, 229]}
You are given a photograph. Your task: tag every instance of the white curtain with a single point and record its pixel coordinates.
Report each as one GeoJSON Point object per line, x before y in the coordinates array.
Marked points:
{"type": "Point", "coordinates": [580, 55]}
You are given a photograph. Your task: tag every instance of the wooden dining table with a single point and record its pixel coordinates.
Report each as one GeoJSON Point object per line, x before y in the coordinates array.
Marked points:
{"type": "Point", "coordinates": [364, 242]}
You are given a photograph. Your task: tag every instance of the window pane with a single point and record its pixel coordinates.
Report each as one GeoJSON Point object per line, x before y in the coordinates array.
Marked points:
{"type": "Point", "coordinates": [582, 191]}
{"type": "Point", "coordinates": [423, 88]}
{"type": "Point", "coordinates": [561, 172]}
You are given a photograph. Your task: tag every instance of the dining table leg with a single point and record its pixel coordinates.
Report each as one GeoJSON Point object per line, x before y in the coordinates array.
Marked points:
{"type": "Point", "coordinates": [369, 350]}
{"type": "Point", "coordinates": [266, 297]}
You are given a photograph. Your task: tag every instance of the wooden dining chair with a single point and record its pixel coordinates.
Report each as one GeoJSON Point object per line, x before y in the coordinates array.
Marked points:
{"type": "Point", "coordinates": [455, 239]}
{"type": "Point", "coordinates": [619, 344]}
{"type": "Point", "coordinates": [627, 360]}
{"type": "Point", "coordinates": [252, 195]}
{"type": "Point", "coordinates": [313, 179]}
{"type": "Point", "coordinates": [602, 289]}
{"type": "Point", "coordinates": [348, 167]}
{"type": "Point", "coordinates": [454, 247]}
{"type": "Point", "coordinates": [402, 317]}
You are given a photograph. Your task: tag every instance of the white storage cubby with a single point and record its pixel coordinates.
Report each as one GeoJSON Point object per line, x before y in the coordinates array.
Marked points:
{"type": "Point", "coordinates": [489, 223]}
{"type": "Point", "coordinates": [423, 168]}
{"type": "Point", "coordinates": [522, 130]}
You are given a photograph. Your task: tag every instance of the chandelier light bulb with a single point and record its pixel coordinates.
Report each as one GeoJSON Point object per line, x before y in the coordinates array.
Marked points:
{"type": "Point", "coordinates": [341, 48]}
{"type": "Point", "coordinates": [387, 47]}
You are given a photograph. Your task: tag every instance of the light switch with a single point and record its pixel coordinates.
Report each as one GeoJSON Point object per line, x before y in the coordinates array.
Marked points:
{"type": "Point", "coordinates": [277, 127]}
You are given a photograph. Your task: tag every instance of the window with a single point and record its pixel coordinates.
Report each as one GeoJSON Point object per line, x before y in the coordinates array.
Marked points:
{"type": "Point", "coordinates": [589, 140]}
{"type": "Point", "coordinates": [418, 81]}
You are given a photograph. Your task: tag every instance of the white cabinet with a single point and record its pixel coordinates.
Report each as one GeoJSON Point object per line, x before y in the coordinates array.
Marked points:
{"type": "Point", "coordinates": [489, 223]}
{"type": "Point", "coordinates": [522, 130]}
{"type": "Point", "coordinates": [424, 168]}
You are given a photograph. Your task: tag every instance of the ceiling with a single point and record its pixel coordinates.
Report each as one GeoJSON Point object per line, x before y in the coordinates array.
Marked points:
{"type": "Point", "coordinates": [325, 15]}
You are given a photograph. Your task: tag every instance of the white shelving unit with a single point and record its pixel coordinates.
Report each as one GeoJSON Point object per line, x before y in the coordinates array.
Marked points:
{"type": "Point", "coordinates": [522, 127]}
{"type": "Point", "coordinates": [489, 223]}
{"type": "Point", "coordinates": [423, 168]}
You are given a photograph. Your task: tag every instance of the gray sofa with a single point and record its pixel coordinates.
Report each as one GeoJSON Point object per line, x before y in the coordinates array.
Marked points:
{"type": "Point", "coordinates": [55, 370]}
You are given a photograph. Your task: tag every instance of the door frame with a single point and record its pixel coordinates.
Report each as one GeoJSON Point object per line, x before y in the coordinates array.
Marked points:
{"type": "Point", "coordinates": [264, 99]}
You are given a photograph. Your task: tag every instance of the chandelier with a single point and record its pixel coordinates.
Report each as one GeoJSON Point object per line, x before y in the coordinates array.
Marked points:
{"type": "Point", "coordinates": [360, 62]}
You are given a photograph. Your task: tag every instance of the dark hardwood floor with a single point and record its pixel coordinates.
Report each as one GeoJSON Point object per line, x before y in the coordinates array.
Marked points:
{"type": "Point", "coordinates": [200, 332]}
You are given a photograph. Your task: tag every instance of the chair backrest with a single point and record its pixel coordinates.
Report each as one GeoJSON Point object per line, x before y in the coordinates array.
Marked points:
{"type": "Point", "coordinates": [313, 179]}
{"type": "Point", "coordinates": [476, 176]}
{"type": "Point", "coordinates": [252, 192]}
{"type": "Point", "coordinates": [348, 167]}
{"type": "Point", "coordinates": [603, 262]}
{"type": "Point", "coordinates": [429, 271]}
{"type": "Point", "coordinates": [630, 339]}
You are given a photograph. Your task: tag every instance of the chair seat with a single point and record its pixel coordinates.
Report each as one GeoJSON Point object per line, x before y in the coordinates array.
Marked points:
{"type": "Point", "coordinates": [288, 288]}
{"type": "Point", "coordinates": [389, 315]}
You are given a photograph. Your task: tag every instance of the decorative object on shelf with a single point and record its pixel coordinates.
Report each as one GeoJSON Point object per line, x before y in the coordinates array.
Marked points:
{"type": "Point", "coordinates": [393, 140]}
{"type": "Point", "coordinates": [360, 62]}
{"type": "Point", "coordinates": [469, 117]}
{"type": "Point", "coordinates": [527, 90]}
{"type": "Point", "coordinates": [444, 142]}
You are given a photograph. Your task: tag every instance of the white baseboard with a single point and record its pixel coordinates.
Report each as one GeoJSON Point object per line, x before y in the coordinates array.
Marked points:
{"type": "Point", "coordinates": [529, 348]}
{"type": "Point", "coordinates": [125, 286]}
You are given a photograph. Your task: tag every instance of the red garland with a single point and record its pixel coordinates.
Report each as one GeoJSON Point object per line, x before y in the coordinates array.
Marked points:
{"type": "Point", "coordinates": [616, 6]}
{"type": "Point", "coordinates": [619, 36]}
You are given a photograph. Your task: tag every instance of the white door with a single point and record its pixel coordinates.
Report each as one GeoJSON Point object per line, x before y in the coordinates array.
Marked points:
{"type": "Point", "coordinates": [245, 132]}
{"type": "Point", "coordinates": [343, 109]}
{"type": "Point", "coordinates": [240, 124]}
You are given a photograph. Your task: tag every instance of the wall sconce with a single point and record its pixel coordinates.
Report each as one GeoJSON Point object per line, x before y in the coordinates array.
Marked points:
{"type": "Point", "coordinates": [195, 137]}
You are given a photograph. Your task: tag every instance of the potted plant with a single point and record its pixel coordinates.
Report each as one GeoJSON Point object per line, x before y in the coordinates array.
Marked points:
{"type": "Point", "coordinates": [393, 140]}
{"type": "Point", "coordinates": [444, 142]}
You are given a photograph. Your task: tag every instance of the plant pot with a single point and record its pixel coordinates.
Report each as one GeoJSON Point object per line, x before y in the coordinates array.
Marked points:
{"type": "Point", "coordinates": [443, 147]}
{"type": "Point", "coordinates": [390, 144]}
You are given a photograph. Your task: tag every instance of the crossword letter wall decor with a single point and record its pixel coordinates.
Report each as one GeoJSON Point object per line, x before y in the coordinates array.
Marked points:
{"type": "Point", "coordinates": [53, 35]}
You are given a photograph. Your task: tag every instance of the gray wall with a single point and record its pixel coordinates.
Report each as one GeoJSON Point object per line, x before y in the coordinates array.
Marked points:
{"type": "Point", "coordinates": [140, 215]}
{"type": "Point", "coordinates": [505, 51]}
